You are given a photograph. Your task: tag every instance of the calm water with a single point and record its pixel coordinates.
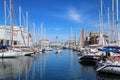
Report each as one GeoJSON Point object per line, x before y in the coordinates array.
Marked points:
{"type": "Point", "coordinates": [49, 66]}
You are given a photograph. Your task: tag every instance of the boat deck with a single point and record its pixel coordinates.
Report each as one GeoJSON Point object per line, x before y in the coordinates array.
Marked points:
{"type": "Point", "coordinates": [115, 58]}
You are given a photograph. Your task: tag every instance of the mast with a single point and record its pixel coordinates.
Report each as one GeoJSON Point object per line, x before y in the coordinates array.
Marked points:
{"type": "Point", "coordinates": [101, 19]}
{"type": "Point", "coordinates": [10, 13]}
{"type": "Point", "coordinates": [79, 41]}
{"type": "Point", "coordinates": [69, 40]}
{"type": "Point", "coordinates": [41, 29]}
{"type": "Point", "coordinates": [100, 23]}
{"type": "Point", "coordinates": [117, 21]}
{"type": "Point", "coordinates": [12, 16]}
{"type": "Point", "coordinates": [20, 18]}
{"type": "Point", "coordinates": [71, 33]}
{"type": "Point", "coordinates": [5, 12]}
{"type": "Point", "coordinates": [20, 15]}
{"type": "Point", "coordinates": [4, 19]}
{"type": "Point", "coordinates": [94, 34]}
{"type": "Point", "coordinates": [68, 37]}
{"type": "Point", "coordinates": [71, 44]}
{"type": "Point", "coordinates": [57, 41]}
{"type": "Point", "coordinates": [44, 33]}
{"type": "Point", "coordinates": [75, 40]}
{"type": "Point", "coordinates": [27, 28]}
{"type": "Point", "coordinates": [20, 12]}
{"type": "Point", "coordinates": [108, 25]}
{"type": "Point", "coordinates": [82, 36]}
{"type": "Point", "coordinates": [41, 35]}
{"type": "Point", "coordinates": [34, 32]}
{"type": "Point", "coordinates": [20, 24]}
{"type": "Point", "coordinates": [113, 19]}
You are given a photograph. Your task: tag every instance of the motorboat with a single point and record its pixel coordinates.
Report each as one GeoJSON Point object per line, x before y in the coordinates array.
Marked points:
{"type": "Point", "coordinates": [111, 62]}
{"type": "Point", "coordinates": [58, 50]}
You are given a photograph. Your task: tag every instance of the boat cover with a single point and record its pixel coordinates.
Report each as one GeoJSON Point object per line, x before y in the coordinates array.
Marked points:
{"type": "Point", "coordinates": [113, 47]}
{"type": "Point", "coordinates": [109, 50]}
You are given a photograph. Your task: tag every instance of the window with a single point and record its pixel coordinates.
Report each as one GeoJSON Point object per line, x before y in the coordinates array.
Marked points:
{"type": "Point", "coordinates": [7, 42]}
{"type": "Point", "coordinates": [1, 42]}
{"type": "Point", "coordinates": [15, 42]}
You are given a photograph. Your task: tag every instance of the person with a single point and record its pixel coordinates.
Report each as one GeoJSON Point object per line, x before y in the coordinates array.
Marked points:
{"type": "Point", "coordinates": [104, 58]}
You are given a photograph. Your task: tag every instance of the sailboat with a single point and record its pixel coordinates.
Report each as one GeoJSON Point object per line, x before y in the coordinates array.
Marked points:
{"type": "Point", "coordinates": [8, 53]}
{"type": "Point", "coordinates": [91, 54]}
{"type": "Point", "coordinates": [14, 52]}
{"type": "Point", "coordinates": [111, 63]}
{"type": "Point", "coordinates": [46, 46]}
{"type": "Point", "coordinates": [26, 50]}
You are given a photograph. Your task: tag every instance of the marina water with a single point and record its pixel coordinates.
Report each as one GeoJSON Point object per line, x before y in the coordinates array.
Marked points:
{"type": "Point", "coordinates": [49, 66]}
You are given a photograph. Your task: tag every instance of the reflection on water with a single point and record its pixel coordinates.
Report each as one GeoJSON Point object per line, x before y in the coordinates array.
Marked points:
{"type": "Point", "coordinates": [49, 66]}
{"type": "Point", "coordinates": [13, 68]}
{"type": "Point", "coordinates": [107, 77]}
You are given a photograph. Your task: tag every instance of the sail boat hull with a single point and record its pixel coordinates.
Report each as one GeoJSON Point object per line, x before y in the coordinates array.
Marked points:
{"type": "Point", "coordinates": [112, 69]}
{"type": "Point", "coordinates": [8, 54]}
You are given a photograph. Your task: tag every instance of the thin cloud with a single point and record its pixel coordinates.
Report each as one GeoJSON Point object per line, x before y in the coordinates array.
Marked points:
{"type": "Point", "coordinates": [58, 29]}
{"type": "Point", "coordinates": [55, 28]}
{"type": "Point", "coordinates": [61, 37]}
{"type": "Point", "coordinates": [74, 15]}
{"type": "Point", "coordinates": [70, 13]}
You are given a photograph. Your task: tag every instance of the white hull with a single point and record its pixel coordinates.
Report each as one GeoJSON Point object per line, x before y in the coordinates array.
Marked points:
{"type": "Point", "coordinates": [58, 51]}
{"type": "Point", "coordinates": [8, 54]}
{"type": "Point", "coordinates": [23, 52]}
{"type": "Point", "coordinates": [47, 49]}
{"type": "Point", "coordinates": [110, 69]}
{"type": "Point", "coordinates": [113, 68]}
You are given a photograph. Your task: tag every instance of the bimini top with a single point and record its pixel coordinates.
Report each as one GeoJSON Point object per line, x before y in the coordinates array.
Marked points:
{"type": "Point", "coordinates": [109, 50]}
{"type": "Point", "coordinates": [4, 46]}
{"type": "Point", "coordinates": [112, 47]}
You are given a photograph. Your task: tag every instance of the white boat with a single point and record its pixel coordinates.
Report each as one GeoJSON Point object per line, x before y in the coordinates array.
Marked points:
{"type": "Point", "coordinates": [8, 54]}
{"type": "Point", "coordinates": [90, 51]}
{"type": "Point", "coordinates": [90, 55]}
{"type": "Point", "coordinates": [38, 50]}
{"type": "Point", "coordinates": [24, 52]}
{"type": "Point", "coordinates": [28, 52]}
{"type": "Point", "coordinates": [110, 67]}
{"type": "Point", "coordinates": [58, 50]}
{"type": "Point", "coordinates": [65, 46]}
{"type": "Point", "coordinates": [48, 48]}
{"type": "Point", "coordinates": [111, 62]}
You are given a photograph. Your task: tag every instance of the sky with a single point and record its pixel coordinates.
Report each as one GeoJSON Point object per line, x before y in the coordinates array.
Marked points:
{"type": "Point", "coordinates": [58, 17]}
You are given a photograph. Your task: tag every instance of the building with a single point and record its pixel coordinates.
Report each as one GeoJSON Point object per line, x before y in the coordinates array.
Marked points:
{"type": "Point", "coordinates": [44, 42]}
{"type": "Point", "coordinates": [21, 36]}
{"type": "Point", "coordinates": [56, 44]}
{"type": "Point", "coordinates": [94, 37]}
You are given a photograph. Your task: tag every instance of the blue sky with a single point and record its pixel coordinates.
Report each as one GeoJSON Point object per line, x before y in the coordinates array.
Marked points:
{"type": "Point", "coordinates": [58, 16]}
